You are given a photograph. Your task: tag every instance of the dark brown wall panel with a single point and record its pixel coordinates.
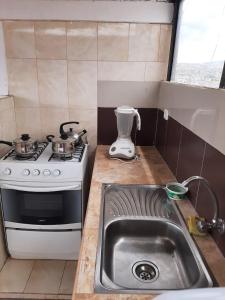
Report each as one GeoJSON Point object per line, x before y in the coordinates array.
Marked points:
{"type": "Point", "coordinates": [214, 171]}
{"type": "Point", "coordinates": [190, 160]}
{"type": "Point", "coordinates": [172, 146]}
{"type": "Point", "coordinates": [196, 157]}
{"type": "Point", "coordinates": [107, 130]}
{"type": "Point", "coordinates": [161, 133]}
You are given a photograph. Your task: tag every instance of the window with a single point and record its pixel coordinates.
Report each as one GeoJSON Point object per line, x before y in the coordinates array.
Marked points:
{"type": "Point", "coordinates": [200, 43]}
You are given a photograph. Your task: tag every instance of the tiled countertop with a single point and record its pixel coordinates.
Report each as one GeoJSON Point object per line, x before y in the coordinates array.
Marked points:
{"type": "Point", "coordinates": [150, 169]}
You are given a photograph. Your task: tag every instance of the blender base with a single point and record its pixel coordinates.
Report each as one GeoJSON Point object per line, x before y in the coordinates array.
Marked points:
{"type": "Point", "coordinates": [122, 148]}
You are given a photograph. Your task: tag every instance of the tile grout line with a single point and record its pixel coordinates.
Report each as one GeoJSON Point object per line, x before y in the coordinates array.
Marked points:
{"type": "Point", "coordinates": [33, 265]}
{"type": "Point", "coordinates": [84, 60]}
{"type": "Point", "coordinates": [67, 69]}
{"type": "Point", "coordinates": [165, 139]}
{"type": "Point", "coordinates": [36, 60]}
{"type": "Point", "coordinates": [179, 150]}
{"type": "Point", "coordinates": [129, 42]}
{"type": "Point", "coordinates": [63, 272]}
{"type": "Point", "coordinates": [156, 128]}
{"type": "Point", "coordinates": [202, 164]}
{"type": "Point", "coordinates": [159, 43]}
{"type": "Point", "coordinates": [97, 25]}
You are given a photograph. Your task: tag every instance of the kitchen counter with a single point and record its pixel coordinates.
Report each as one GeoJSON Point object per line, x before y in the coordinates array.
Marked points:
{"type": "Point", "coordinates": [150, 169]}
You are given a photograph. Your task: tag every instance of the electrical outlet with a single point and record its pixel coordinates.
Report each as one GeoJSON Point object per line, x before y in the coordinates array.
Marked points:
{"type": "Point", "coordinates": [166, 114]}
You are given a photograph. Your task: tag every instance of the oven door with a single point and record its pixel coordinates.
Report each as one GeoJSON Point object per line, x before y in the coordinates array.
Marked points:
{"type": "Point", "coordinates": [42, 208]}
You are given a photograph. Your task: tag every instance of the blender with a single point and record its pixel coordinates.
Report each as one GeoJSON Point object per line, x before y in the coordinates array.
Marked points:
{"type": "Point", "coordinates": [123, 147]}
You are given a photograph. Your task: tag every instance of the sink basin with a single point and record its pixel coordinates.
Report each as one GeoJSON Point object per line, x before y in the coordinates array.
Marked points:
{"type": "Point", "coordinates": [159, 247]}
{"type": "Point", "coordinates": [144, 245]}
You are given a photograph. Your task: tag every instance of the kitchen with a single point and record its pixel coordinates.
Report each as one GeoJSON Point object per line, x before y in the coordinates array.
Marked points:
{"type": "Point", "coordinates": [76, 61]}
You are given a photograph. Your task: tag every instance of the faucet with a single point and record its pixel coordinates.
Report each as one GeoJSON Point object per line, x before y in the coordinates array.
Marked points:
{"type": "Point", "coordinates": [216, 223]}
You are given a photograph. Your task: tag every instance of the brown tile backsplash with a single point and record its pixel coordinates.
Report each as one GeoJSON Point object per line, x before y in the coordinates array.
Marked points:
{"type": "Point", "coordinates": [172, 146]}
{"type": "Point", "coordinates": [214, 171]}
{"type": "Point", "coordinates": [190, 155]}
{"type": "Point", "coordinates": [190, 160]}
{"type": "Point", "coordinates": [107, 130]}
{"type": "Point", "coordinates": [161, 133]}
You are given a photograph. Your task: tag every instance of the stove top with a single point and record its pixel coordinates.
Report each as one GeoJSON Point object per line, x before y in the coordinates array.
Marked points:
{"type": "Point", "coordinates": [76, 156]}
{"type": "Point", "coordinates": [44, 167]}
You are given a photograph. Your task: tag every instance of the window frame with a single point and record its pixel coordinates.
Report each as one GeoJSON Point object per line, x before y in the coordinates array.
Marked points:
{"type": "Point", "coordinates": [174, 46]}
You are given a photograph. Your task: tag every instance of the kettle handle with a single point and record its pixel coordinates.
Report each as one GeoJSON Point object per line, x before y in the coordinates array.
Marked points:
{"type": "Point", "coordinates": [50, 137]}
{"type": "Point", "coordinates": [138, 119]}
{"type": "Point", "coordinates": [61, 130]}
{"type": "Point", "coordinates": [6, 143]}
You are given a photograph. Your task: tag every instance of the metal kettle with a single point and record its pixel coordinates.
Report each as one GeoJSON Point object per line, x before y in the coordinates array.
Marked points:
{"type": "Point", "coordinates": [71, 133]}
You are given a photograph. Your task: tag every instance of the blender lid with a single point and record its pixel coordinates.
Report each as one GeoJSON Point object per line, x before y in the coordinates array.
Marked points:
{"type": "Point", "coordinates": [125, 109]}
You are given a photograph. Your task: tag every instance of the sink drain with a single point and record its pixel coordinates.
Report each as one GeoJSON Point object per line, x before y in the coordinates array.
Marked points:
{"type": "Point", "coordinates": [145, 271]}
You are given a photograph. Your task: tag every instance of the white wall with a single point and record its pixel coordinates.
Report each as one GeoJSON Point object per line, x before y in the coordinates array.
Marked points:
{"type": "Point", "coordinates": [110, 11]}
{"type": "Point", "coordinates": [202, 110]}
{"type": "Point", "coordinates": [3, 69]}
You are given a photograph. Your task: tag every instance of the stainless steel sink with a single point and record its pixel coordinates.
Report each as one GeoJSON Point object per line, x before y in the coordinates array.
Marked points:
{"type": "Point", "coordinates": [144, 245]}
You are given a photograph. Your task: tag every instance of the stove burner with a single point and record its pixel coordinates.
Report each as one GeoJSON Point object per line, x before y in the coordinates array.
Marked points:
{"type": "Point", "coordinates": [74, 157]}
{"type": "Point", "coordinates": [12, 154]}
{"type": "Point", "coordinates": [18, 157]}
{"type": "Point", "coordinates": [63, 157]}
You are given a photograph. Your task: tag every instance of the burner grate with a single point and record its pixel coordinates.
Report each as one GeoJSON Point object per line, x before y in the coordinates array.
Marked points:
{"type": "Point", "coordinates": [74, 157]}
{"type": "Point", "coordinates": [14, 156]}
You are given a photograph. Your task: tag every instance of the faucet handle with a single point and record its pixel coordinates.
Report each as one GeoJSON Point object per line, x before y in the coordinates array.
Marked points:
{"type": "Point", "coordinates": [215, 224]}
{"type": "Point", "coordinates": [220, 226]}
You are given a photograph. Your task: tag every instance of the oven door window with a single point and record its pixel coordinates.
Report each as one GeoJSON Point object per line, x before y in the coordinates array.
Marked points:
{"type": "Point", "coordinates": [51, 208]}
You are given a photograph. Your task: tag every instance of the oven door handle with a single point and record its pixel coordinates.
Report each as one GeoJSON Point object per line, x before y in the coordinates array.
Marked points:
{"type": "Point", "coordinates": [40, 189]}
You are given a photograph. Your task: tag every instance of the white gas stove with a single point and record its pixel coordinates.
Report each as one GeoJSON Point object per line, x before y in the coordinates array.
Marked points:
{"type": "Point", "coordinates": [43, 203]}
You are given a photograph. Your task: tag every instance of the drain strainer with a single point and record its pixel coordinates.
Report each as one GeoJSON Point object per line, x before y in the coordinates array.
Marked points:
{"type": "Point", "coordinates": [145, 271]}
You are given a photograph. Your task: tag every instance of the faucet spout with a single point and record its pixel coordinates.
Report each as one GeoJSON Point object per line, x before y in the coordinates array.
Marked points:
{"type": "Point", "coordinates": [215, 223]}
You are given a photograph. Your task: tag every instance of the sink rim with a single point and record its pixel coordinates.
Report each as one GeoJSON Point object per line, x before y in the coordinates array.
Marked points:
{"type": "Point", "coordinates": [99, 287]}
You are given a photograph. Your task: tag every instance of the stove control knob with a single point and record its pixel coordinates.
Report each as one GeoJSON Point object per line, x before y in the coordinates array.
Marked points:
{"type": "Point", "coordinates": [36, 172]}
{"type": "Point", "coordinates": [7, 171]}
{"type": "Point", "coordinates": [46, 172]}
{"type": "Point", "coordinates": [56, 172]}
{"type": "Point", "coordinates": [26, 172]}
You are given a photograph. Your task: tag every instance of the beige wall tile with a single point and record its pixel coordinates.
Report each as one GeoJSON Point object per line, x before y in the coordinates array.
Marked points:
{"type": "Point", "coordinates": [28, 121]}
{"type": "Point", "coordinates": [50, 39]}
{"type": "Point", "coordinates": [88, 120]}
{"type": "Point", "coordinates": [121, 71]}
{"type": "Point", "coordinates": [19, 39]}
{"type": "Point", "coordinates": [165, 40]}
{"type": "Point", "coordinates": [6, 103]}
{"type": "Point", "coordinates": [113, 41]}
{"type": "Point", "coordinates": [136, 94]}
{"type": "Point", "coordinates": [51, 118]}
{"type": "Point", "coordinates": [52, 83]}
{"type": "Point", "coordinates": [82, 84]}
{"type": "Point", "coordinates": [66, 286]}
{"type": "Point", "coordinates": [8, 133]}
{"type": "Point", "coordinates": [82, 40]}
{"type": "Point", "coordinates": [14, 275]}
{"type": "Point", "coordinates": [155, 71]}
{"type": "Point", "coordinates": [144, 42]}
{"type": "Point", "coordinates": [7, 125]}
{"type": "Point", "coordinates": [45, 277]}
{"type": "Point", "coordinates": [22, 74]}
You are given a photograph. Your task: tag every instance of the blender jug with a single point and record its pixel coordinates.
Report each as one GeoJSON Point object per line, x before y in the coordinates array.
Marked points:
{"type": "Point", "coordinates": [125, 116]}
